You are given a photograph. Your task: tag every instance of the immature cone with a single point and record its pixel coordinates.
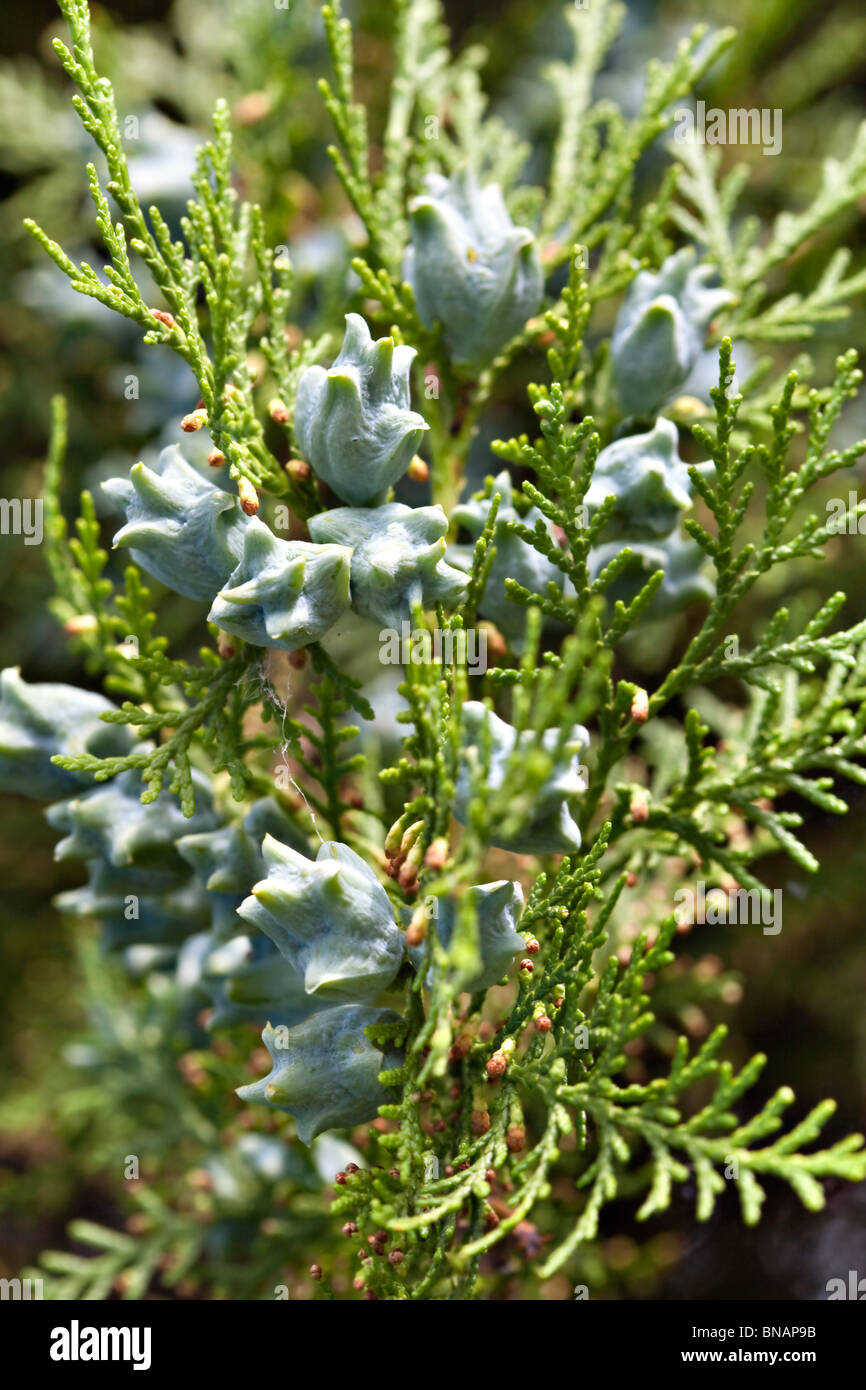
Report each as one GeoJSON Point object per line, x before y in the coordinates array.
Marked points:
{"type": "Point", "coordinates": [470, 267]}
{"type": "Point", "coordinates": [227, 860]}
{"type": "Point", "coordinates": [550, 827]}
{"type": "Point", "coordinates": [398, 559]}
{"type": "Point", "coordinates": [515, 558]}
{"type": "Point", "coordinates": [496, 908]}
{"type": "Point", "coordinates": [249, 982]}
{"type": "Point", "coordinates": [649, 480]}
{"type": "Point", "coordinates": [353, 421]}
{"type": "Point", "coordinates": [687, 576]}
{"type": "Point", "coordinates": [325, 1071]}
{"type": "Point", "coordinates": [660, 331]}
{"type": "Point", "coordinates": [283, 594]}
{"type": "Point", "coordinates": [330, 919]}
{"type": "Point", "coordinates": [109, 822]}
{"type": "Point", "coordinates": [180, 527]}
{"type": "Point", "coordinates": [42, 720]}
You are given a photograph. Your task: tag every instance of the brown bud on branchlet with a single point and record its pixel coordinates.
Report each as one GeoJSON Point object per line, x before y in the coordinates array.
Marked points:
{"type": "Point", "coordinates": [350, 1228]}
{"type": "Point", "coordinates": [639, 808]}
{"type": "Point", "coordinates": [543, 1024]}
{"type": "Point", "coordinates": [415, 933]}
{"type": "Point", "coordinates": [480, 1121]}
{"type": "Point", "coordinates": [396, 1257]}
{"type": "Point", "coordinates": [216, 458]}
{"type": "Point", "coordinates": [526, 967]}
{"type": "Point", "coordinates": [640, 707]}
{"type": "Point", "coordinates": [418, 470]}
{"type": "Point", "coordinates": [437, 854]}
{"type": "Point", "coordinates": [340, 1179]}
{"type": "Point", "coordinates": [515, 1138]}
{"type": "Point", "coordinates": [279, 412]}
{"type": "Point", "coordinates": [532, 946]}
{"type": "Point", "coordinates": [226, 645]}
{"type": "Point", "coordinates": [194, 421]}
{"type": "Point", "coordinates": [249, 497]}
{"type": "Point", "coordinates": [80, 624]}
{"type": "Point", "coordinates": [200, 1179]}
{"type": "Point", "coordinates": [496, 644]}
{"type": "Point", "coordinates": [315, 1272]}
{"type": "Point", "coordinates": [252, 107]}
{"type": "Point", "coordinates": [299, 470]}
{"type": "Point", "coordinates": [497, 1066]}
{"type": "Point", "coordinates": [491, 1220]}
{"type": "Point", "coordinates": [168, 319]}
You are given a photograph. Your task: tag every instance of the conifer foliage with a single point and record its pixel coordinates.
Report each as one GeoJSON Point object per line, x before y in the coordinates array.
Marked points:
{"type": "Point", "coordinates": [424, 926]}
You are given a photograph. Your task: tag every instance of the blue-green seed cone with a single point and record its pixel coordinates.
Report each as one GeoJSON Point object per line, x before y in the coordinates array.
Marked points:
{"type": "Point", "coordinates": [515, 558]}
{"type": "Point", "coordinates": [353, 421]}
{"type": "Point", "coordinates": [471, 269]}
{"type": "Point", "coordinates": [687, 571]}
{"type": "Point", "coordinates": [649, 480]}
{"type": "Point", "coordinates": [180, 527]}
{"type": "Point", "coordinates": [398, 558]}
{"type": "Point", "coordinates": [495, 909]}
{"type": "Point", "coordinates": [110, 822]}
{"type": "Point", "coordinates": [283, 594]}
{"type": "Point", "coordinates": [330, 919]}
{"type": "Point", "coordinates": [45, 720]}
{"type": "Point", "coordinates": [325, 1070]}
{"type": "Point", "coordinates": [547, 825]}
{"type": "Point", "coordinates": [660, 331]}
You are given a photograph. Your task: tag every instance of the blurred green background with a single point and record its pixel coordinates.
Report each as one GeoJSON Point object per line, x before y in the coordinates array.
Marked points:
{"type": "Point", "coordinates": [803, 991]}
